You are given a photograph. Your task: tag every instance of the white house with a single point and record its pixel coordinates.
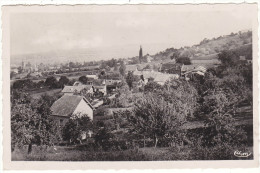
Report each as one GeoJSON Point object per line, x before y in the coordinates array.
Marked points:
{"type": "Point", "coordinates": [68, 105]}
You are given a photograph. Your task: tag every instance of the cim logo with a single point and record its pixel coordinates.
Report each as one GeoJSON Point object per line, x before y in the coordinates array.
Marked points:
{"type": "Point", "coordinates": [242, 154]}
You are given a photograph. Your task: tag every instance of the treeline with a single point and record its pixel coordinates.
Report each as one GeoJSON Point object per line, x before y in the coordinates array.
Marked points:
{"type": "Point", "coordinates": [50, 83]}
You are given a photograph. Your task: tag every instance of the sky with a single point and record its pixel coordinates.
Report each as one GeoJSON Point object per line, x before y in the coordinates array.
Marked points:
{"type": "Point", "coordinates": [109, 34]}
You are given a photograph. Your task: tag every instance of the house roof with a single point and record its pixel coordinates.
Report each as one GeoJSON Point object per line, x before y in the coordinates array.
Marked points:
{"type": "Point", "coordinates": [67, 104]}
{"type": "Point", "coordinates": [193, 67]}
{"type": "Point", "coordinates": [131, 67]}
{"type": "Point", "coordinates": [171, 65]}
{"type": "Point", "coordinates": [164, 77]}
{"type": "Point", "coordinates": [72, 89]}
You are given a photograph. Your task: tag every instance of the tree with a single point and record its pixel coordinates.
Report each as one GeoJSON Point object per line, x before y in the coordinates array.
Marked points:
{"type": "Point", "coordinates": [153, 117]}
{"type": "Point", "coordinates": [228, 58]}
{"type": "Point", "coordinates": [122, 69]}
{"type": "Point", "coordinates": [51, 82]}
{"type": "Point", "coordinates": [31, 124]}
{"type": "Point", "coordinates": [83, 79]}
{"type": "Point", "coordinates": [152, 87]}
{"type": "Point", "coordinates": [24, 84]}
{"type": "Point", "coordinates": [63, 81]}
{"type": "Point", "coordinates": [175, 55]}
{"type": "Point", "coordinates": [76, 127]}
{"type": "Point", "coordinates": [183, 60]}
{"type": "Point", "coordinates": [102, 137]}
{"type": "Point", "coordinates": [130, 79]}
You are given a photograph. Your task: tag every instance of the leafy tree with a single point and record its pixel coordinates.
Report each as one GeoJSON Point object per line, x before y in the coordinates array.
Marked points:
{"type": "Point", "coordinates": [31, 124]}
{"type": "Point", "coordinates": [63, 81]}
{"type": "Point", "coordinates": [221, 120]}
{"type": "Point", "coordinates": [51, 82]}
{"type": "Point", "coordinates": [183, 60]}
{"type": "Point", "coordinates": [122, 69]}
{"type": "Point", "coordinates": [228, 58]}
{"type": "Point", "coordinates": [102, 137]}
{"type": "Point", "coordinates": [175, 55]}
{"type": "Point", "coordinates": [130, 79]}
{"type": "Point", "coordinates": [153, 117]}
{"type": "Point", "coordinates": [77, 126]}
{"type": "Point", "coordinates": [24, 84]}
{"type": "Point", "coordinates": [83, 79]}
{"type": "Point", "coordinates": [152, 87]}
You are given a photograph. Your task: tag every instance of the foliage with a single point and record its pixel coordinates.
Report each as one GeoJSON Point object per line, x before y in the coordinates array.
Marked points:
{"type": "Point", "coordinates": [51, 82]}
{"type": "Point", "coordinates": [152, 86]}
{"type": "Point", "coordinates": [83, 79]}
{"type": "Point", "coordinates": [122, 69]}
{"type": "Point", "coordinates": [102, 138]}
{"type": "Point", "coordinates": [228, 58]}
{"type": "Point", "coordinates": [77, 126]}
{"type": "Point", "coordinates": [130, 79]}
{"type": "Point", "coordinates": [183, 60]}
{"type": "Point", "coordinates": [31, 123]}
{"type": "Point", "coordinates": [63, 81]}
{"type": "Point", "coordinates": [24, 84]}
{"type": "Point", "coordinates": [154, 117]}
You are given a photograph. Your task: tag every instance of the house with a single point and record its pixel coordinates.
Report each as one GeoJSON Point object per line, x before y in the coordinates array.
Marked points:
{"type": "Point", "coordinates": [131, 68]}
{"type": "Point", "coordinates": [92, 76]}
{"type": "Point", "coordinates": [194, 68]}
{"type": "Point", "coordinates": [171, 68]}
{"type": "Point", "coordinates": [188, 71]}
{"type": "Point", "coordinates": [70, 90]}
{"type": "Point", "coordinates": [69, 105]}
{"type": "Point", "coordinates": [112, 81]}
{"type": "Point", "coordinates": [77, 83]}
{"type": "Point", "coordinates": [157, 77]}
{"type": "Point", "coordinates": [101, 88]}
{"type": "Point", "coordinates": [96, 103]}
{"type": "Point", "coordinates": [161, 78]}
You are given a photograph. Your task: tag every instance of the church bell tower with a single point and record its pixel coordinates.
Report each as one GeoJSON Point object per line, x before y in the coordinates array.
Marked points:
{"type": "Point", "coordinates": [140, 54]}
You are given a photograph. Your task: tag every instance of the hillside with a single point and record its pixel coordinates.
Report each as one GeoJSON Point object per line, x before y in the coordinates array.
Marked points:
{"type": "Point", "coordinates": [208, 49]}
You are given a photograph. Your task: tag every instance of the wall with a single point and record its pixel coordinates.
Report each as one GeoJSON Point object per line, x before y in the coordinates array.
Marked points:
{"type": "Point", "coordinates": [84, 108]}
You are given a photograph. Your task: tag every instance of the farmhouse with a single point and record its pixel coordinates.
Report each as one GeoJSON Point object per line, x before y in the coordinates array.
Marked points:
{"type": "Point", "coordinates": [69, 105]}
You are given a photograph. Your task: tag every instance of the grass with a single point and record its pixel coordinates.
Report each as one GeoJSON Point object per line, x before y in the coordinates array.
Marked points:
{"type": "Point", "coordinates": [220, 152]}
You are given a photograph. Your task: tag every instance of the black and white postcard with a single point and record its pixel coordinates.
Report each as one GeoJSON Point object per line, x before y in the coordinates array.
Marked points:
{"type": "Point", "coordinates": [130, 86]}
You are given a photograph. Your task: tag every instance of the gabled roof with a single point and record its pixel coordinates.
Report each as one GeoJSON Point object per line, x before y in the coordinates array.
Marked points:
{"type": "Point", "coordinates": [67, 104]}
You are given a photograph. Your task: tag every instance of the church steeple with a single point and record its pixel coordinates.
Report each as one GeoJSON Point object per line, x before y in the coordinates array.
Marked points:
{"type": "Point", "coordinates": [140, 54]}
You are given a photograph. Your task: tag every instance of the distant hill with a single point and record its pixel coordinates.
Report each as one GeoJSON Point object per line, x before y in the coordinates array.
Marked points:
{"type": "Point", "coordinates": [208, 49]}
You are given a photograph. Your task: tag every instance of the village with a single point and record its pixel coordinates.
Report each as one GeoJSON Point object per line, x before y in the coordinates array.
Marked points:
{"type": "Point", "coordinates": [97, 103]}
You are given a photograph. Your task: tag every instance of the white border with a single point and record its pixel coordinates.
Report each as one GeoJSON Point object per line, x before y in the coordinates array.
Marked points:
{"type": "Point", "coordinates": [72, 2]}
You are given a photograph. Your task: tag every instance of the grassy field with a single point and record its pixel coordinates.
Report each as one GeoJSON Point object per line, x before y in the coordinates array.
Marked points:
{"type": "Point", "coordinates": [76, 153]}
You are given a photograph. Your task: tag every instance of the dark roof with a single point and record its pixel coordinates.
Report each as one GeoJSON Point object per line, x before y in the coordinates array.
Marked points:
{"type": "Point", "coordinates": [67, 104]}
{"type": "Point", "coordinates": [170, 65]}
